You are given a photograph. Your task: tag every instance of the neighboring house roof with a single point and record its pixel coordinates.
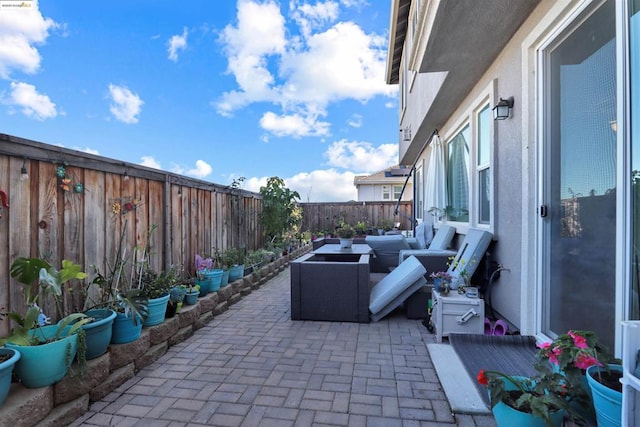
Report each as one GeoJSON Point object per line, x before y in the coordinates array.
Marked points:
{"type": "Point", "coordinates": [392, 175]}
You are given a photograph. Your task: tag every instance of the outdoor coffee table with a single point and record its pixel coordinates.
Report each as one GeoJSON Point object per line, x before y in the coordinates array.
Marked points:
{"type": "Point", "coordinates": [331, 284]}
{"type": "Point", "coordinates": [334, 249]}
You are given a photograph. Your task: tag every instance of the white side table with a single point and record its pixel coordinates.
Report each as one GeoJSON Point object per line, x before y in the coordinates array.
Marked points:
{"type": "Point", "coordinates": [456, 313]}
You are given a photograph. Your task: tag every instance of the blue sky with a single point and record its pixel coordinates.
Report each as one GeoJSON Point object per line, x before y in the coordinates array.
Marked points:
{"type": "Point", "coordinates": [212, 89]}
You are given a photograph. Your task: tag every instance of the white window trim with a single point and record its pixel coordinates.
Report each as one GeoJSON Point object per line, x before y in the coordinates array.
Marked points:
{"type": "Point", "coordinates": [469, 117]}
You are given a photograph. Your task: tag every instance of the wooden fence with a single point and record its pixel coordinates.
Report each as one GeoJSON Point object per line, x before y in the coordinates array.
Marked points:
{"type": "Point", "coordinates": [75, 206]}
{"type": "Point", "coordinates": [325, 216]}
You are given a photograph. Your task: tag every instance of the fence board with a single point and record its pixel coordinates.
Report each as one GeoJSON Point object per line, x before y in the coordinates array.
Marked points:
{"type": "Point", "coordinates": [325, 216]}
{"type": "Point", "coordinates": [5, 295]}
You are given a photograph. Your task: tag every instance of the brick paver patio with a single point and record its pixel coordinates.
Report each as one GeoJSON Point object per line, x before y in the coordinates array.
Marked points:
{"type": "Point", "coordinates": [253, 366]}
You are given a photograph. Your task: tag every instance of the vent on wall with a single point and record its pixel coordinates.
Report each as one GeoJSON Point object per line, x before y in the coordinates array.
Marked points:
{"type": "Point", "coordinates": [406, 133]}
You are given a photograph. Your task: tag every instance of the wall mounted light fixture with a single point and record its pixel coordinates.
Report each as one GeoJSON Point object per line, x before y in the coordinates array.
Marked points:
{"type": "Point", "coordinates": [502, 110]}
{"type": "Point", "coordinates": [24, 173]}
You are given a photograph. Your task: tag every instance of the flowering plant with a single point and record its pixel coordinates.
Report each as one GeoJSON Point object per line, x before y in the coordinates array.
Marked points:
{"type": "Point", "coordinates": [442, 275]}
{"type": "Point", "coordinates": [540, 396]}
{"type": "Point", "coordinates": [571, 354]}
{"type": "Point", "coordinates": [203, 263]}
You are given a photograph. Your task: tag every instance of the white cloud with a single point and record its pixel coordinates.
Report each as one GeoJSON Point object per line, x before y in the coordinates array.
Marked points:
{"type": "Point", "coordinates": [202, 170]}
{"type": "Point", "coordinates": [295, 125]}
{"type": "Point", "coordinates": [177, 43]}
{"type": "Point", "coordinates": [333, 185]}
{"type": "Point", "coordinates": [355, 121]}
{"type": "Point", "coordinates": [32, 103]}
{"type": "Point", "coordinates": [125, 105]}
{"type": "Point", "coordinates": [20, 30]}
{"type": "Point", "coordinates": [316, 186]}
{"type": "Point", "coordinates": [260, 32]}
{"type": "Point", "coordinates": [304, 74]}
{"type": "Point", "coordinates": [310, 17]}
{"type": "Point", "coordinates": [88, 150]}
{"type": "Point", "coordinates": [150, 162]}
{"type": "Point", "coordinates": [361, 156]}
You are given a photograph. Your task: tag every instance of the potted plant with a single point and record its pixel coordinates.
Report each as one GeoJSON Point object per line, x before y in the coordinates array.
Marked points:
{"type": "Point", "coordinates": [235, 258]}
{"type": "Point", "coordinates": [8, 359]}
{"type": "Point", "coordinates": [590, 372]}
{"type": "Point", "coordinates": [345, 233]}
{"type": "Point", "coordinates": [361, 228]}
{"type": "Point", "coordinates": [204, 273]}
{"type": "Point", "coordinates": [46, 351]}
{"type": "Point", "coordinates": [118, 290]}
{"type": "Point", "coordinates": [176, 294]}
{"type": "Point", "coordinates": [155, 287]}
{"type": "Point", "coordinates": [521, 401]}
{"type": "Point", "coordinates": [441, 282]}
{"type": "Point", "coordinates": [192, 291]}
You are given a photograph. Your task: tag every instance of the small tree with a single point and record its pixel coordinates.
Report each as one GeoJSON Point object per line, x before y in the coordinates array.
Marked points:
{"type": "Point", "coordinates": [280, 211]}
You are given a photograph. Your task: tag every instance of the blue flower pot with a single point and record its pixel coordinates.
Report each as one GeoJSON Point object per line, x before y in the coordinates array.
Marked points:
{"type": "Point", "coordinates": [225, 278]}
{"type": "Point", "coordinates": [125, 330]}
{"type": "Point", "coordinates": [204, 284]}
{"type": "Point", "coordinates": [191, 298]}
{"type": "Point", "coordinates": [157, 310]}
{"type": "Point", "coordinates": [606, 401]}
{"type": "Point", "coordinates": [6, 369]}
{"type": "Point", "coordinates": [215, 278]}
{"type": "Point", "coordinates": [45, 364]}
{"type": "Point", "coordinates": [98, 333]}
{"type": "Point", "coordinates": [236, 272]}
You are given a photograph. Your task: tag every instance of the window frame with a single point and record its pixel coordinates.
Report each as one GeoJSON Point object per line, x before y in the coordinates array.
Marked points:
{"type": "Point", "coordinates": [469, 117]}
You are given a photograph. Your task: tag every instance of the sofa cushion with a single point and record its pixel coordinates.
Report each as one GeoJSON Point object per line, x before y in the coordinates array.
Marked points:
{"type": "Point", "coordinates": [385, 250]}
{"type": "Point", "coordinates": [396, 287]}
{"type": "Point", "coordinates": [421, 235]}
{"type": "Point", "coordinates": [443, 237]}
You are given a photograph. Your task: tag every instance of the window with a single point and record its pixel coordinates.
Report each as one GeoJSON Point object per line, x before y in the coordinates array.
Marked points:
{"type": "Point", "coordinates": [397, 192]}
{"type": "Point", "coordinates": [458, 176]}
{"type": "Point", "coordinates": [386, 195]}
{"type": "Point", "coordinates": [483, 136]}
{"type": "Point", "coordinates": [468, 162]}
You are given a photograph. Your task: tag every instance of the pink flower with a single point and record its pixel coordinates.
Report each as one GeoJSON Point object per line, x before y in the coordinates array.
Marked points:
{"type": "Point", "coordinates": [583, 361]}
{"type": "Point", "coordinates": [544, 345]}
{"type": "Point", "coordinates": [553, 355]}
{"type": "Point", "coordinates": [578, 340]}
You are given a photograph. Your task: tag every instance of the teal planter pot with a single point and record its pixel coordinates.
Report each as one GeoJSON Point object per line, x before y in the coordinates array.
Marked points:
{"type": "Point", "coordinates": [225, 278]}
{"type": "Point", "coordinates": [124, 329]}
{"type": "Point", "coordinates": [191, 298]}
{"type": "Point", "coordinates": [606, 401]}
{"type": "Point", "coordinates": [157, 310]}
{"type": "Point", "coordinates": [236, 272]}
{"type": "Point", "coordinates": [204, 284]}
{"type": "Point", "coordinates": [215, 278]}
{"type": "Point", "coordinates": [6, 369]}
{"type": "Point", "coordinates": [506, 416]}
{"type": "Point", "coordinates": [45, 364]}
{"type": "Point", "coordinates": [98, 333]}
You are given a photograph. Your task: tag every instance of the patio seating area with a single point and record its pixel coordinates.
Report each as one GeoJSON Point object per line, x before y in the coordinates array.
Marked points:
{"type": "Point", "coordinates": [253, 366]}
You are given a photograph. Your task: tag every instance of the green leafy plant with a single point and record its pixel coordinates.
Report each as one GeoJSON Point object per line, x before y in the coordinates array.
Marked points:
{"type": "Point", "coordinates": [361, 227]}
{"type": "Point", "coordinates": [119, 288]}
{"type": "Point", "coordinates": [280, 211]}
{"type": "Point", "coordinates": [346, 231]}
{"type": "Point", "coordinates": [540, 396]}
{"type": "Point", "coordinates": [41, 282]}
